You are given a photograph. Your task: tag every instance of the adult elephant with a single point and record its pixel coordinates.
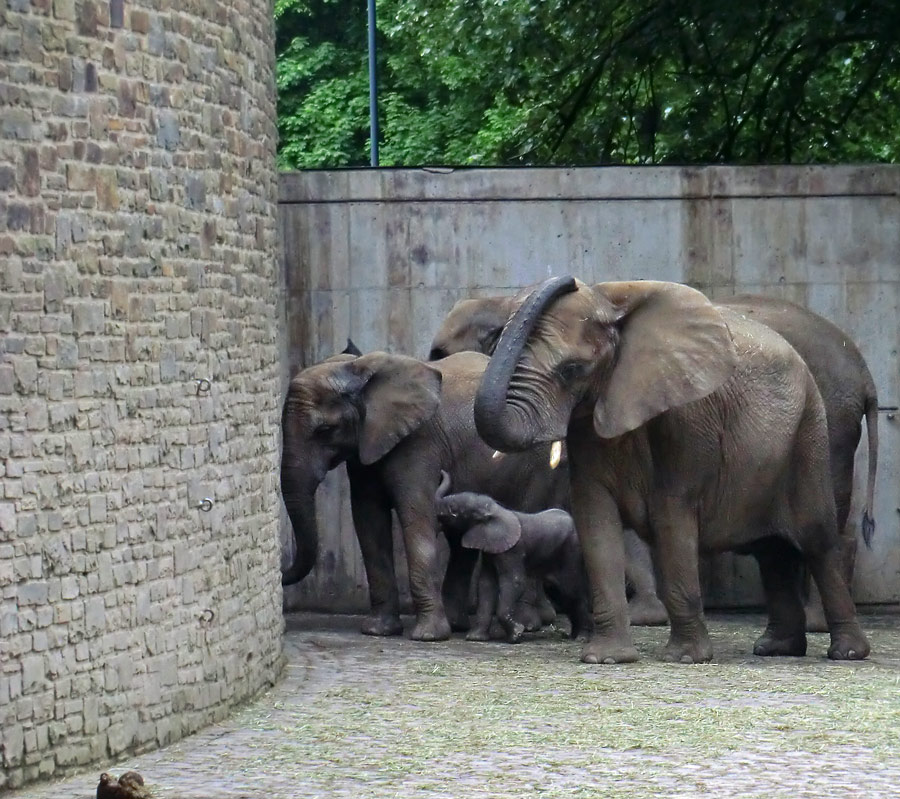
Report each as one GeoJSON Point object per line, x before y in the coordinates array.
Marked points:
{"type": "Point", "coordinates": [848, 392]}
{"type": "Point", "coordinates": [839, 369]}
{"type": "Point", "coordinates": [692, 424]}
{"type": "Point", "coordinates": [397, 423]}
{"type": "Point", "coordinates": [475, 325]}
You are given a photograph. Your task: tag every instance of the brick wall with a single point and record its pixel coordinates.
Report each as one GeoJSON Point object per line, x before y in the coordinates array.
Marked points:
{"type": "Point", "coordinates": [137, 255]}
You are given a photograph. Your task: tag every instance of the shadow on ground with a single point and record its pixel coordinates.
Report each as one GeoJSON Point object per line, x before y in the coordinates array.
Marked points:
{"type": "Point", "coordinates": [357, 716]}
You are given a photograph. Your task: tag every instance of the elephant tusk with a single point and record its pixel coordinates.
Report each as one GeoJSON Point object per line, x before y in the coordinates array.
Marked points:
{"type": "Point", "coordinates": [555, 454]}
{"type": "Point", "coordinates": [497, 455]}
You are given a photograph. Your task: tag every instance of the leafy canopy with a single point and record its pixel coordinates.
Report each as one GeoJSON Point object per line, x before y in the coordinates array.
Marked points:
{"type": "Point", "coordinates": [493, 82]}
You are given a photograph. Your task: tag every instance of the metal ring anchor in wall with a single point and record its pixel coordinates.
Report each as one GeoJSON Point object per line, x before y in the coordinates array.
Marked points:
{"type": "Point", "coordinates": [204, 384]}
{"type": "Point", "coordinates": [205, 505]}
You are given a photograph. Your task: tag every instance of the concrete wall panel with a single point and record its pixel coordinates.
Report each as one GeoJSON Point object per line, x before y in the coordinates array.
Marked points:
{"type": "Point", "coordinates": [394, 249]}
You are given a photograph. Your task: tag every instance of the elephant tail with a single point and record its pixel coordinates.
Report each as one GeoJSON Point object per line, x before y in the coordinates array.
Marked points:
{"type": "Point", "coordinates": [871, 409]}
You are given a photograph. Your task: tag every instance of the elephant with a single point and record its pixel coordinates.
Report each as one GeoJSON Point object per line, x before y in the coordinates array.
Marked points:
{"type": "Point", "coordinates": [694, 425]}
{"type": "Point", "coordinates": [848, 392]}
{"type": "Point", "coordinates": [475, 325]}
{"type": "Point", "coordinates": [515, 548]}
{"type": "Point", "coordinates": [842, 377]}
{"type": "Point", "coordinates": [397, 422]}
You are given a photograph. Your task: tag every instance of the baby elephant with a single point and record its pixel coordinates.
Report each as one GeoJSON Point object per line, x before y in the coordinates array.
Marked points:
{"type": "Point", "coordinates": [516, 546]}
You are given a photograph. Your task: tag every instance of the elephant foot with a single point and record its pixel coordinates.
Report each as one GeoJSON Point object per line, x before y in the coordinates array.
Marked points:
{"type": "Point", "coordinates": [459, 621]}
{"type": "Point", "coordinates": [382, 624]}
{"type": "Point", "coordinates": [514, 631]}
{"type": "Point", "coordinates": [607, 650]}
{"type": "Point", "coordinates": [679, 650]}
{"type": "Point", "coordinates": [646, 610]}
{"type": "Point", "coordinates": [431, 627]}
{"type": "Point", "coordinates": [529, 617]}
{"type": "Point", "coordinates": [848, 644]}
{"type": "Point", "coordinates": [546, 611]}
{"type": "Point", "coordinates": [478, 634]}
{"type": "Point", "coordinates": [815, 618]}
{"type": "Point", "coordinates": [773, 644]}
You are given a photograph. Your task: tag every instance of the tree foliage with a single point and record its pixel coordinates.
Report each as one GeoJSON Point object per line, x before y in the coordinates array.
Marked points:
{"type": "Point", "coordinates": [608, 81]}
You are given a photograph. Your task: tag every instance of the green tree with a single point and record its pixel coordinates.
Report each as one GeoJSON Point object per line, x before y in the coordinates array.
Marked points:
{"type": "Point", "coordinates": [609, 81]}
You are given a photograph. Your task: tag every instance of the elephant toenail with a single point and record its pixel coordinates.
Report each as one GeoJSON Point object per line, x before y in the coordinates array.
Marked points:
{"type": "Point", "coordinates": [608, 661]}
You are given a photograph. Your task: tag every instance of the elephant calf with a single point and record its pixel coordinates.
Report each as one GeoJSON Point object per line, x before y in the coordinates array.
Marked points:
{"type": "Point", "coordinates": [516, 547]}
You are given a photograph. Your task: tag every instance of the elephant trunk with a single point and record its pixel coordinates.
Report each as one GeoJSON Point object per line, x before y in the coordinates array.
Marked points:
{"type": "Point", "coordinates": [505, 421]}
{"type": "Point", "coordinates": [298, 489]}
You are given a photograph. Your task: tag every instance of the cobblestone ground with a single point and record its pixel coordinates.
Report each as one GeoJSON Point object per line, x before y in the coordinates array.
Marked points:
{"type": "Point", "coordinates": [357, 716]}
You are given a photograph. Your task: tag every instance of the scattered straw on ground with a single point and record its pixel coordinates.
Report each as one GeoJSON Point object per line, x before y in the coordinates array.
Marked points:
{"type": "Point", "coordinates": [358, 716]}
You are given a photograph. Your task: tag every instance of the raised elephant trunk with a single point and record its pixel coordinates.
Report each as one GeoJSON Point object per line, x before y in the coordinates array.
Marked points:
{"type": "Point", "coordinates": [505, 422]}
{"type": "Point", "coordinates": [298, 488]}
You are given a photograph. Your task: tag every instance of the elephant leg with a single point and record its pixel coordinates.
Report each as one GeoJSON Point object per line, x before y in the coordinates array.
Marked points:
{"type": "Point", "coordinates": [848, 642]}
{"type": "Point", "coordinates": [645, 608]}
{"type": "Point", "coordinates": [815, 613]}
{"type": "Point", "coordinates": [526, 611]}
{"type": "Point", "coordinates": [600, 532]}
{"type": "Point", "coordinates": [372, 520]}
{"type": "Point", "coordinates": [842, 477]}
{"type": "Point", "coordinates": [487, 603]}
{"type": "Point", "coordinates": [418, 524]}
{"type": "Point", "coordinates": [457, 582]}
{"type": "Point", "coordinates": [676, 536]}
{"type": "Point", "coordinates": [543, 604]}
{"type": "Point", "coordinates": [511, 582]}
{"type": "Point", "coordinates": [780, 568]}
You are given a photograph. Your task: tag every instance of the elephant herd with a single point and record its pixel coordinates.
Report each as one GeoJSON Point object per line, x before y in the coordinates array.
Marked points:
{"type": "Point", "coordinates": [619, 409]}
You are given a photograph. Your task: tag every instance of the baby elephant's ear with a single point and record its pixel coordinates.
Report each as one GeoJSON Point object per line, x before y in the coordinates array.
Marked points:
{"type": "Point", "coordinates": [498, 534]}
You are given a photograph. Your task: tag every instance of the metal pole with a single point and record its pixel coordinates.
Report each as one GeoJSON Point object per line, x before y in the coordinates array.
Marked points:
{"type": "Point", "coordinates": [373, 87]}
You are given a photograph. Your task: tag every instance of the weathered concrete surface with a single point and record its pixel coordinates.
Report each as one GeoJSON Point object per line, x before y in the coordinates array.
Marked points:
{"type": "Point", "coordinates": [357, 716]}
{"type": "Point", "coordinates": [382, 256]}
{"type": "Point", "coordinates": [137, 254]}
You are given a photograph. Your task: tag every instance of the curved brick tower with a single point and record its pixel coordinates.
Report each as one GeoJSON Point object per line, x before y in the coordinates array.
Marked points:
{"type": "Point", "coordinates": [137, 255]}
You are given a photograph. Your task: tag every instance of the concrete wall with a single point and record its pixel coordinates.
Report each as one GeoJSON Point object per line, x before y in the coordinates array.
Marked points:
{"type": "Point", "coordinates": [382, 255]}
{"type": "Point", "coordinates": [137, 254]}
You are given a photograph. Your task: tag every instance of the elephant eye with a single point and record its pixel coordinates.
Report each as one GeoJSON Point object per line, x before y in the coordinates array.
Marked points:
{"type": "Point", "coordinates": [489, 340]}
{"type": "Point", "coordinates": [570, 371]}
{"type": "Point", "coordinates": [325, 430]}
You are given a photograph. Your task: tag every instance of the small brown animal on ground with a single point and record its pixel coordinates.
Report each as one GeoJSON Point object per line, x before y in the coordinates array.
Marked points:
{"type": "Point", "coordinates": [129, 786]}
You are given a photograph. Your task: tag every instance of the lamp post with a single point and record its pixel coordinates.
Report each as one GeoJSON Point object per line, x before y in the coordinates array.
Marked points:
{"type": "Point", "coordinates": [373, 87]}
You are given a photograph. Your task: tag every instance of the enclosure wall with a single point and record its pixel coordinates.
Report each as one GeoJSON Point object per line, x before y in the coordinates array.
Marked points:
{"type": "Point", "coordinates": [137, 255]}
{"type": "Point", "coordinates": [381, 256]}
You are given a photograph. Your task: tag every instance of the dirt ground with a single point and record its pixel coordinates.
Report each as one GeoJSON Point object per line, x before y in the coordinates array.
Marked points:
{"type": "Point", "coordinates": [363, 717]}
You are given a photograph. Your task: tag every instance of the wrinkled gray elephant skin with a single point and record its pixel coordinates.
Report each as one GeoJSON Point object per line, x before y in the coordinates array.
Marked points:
{"type": "Point", "coordinates": [397, 423]}
{"type": "Point", "coordinates": [475, 325]}
{"type": "Point", "coordinates": [697, 427]}
{"type": "Point", "coordinates": [842, 377]}
{"type": "Point", "coordinates": [516, 547]}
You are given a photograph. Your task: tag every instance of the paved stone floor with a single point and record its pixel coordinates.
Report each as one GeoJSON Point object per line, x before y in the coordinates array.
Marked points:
{"type": "Point", "coordinates": [363, 717]}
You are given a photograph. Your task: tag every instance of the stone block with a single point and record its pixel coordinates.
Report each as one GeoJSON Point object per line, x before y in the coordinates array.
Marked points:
{"type": "Point", "coordinates": [34, 593]}
{"type": "Point", "coordinates": [33, 673]}
{"type": "Point", "coordinates": [140, 21]}
{"type": "Point", "coordinates": [116, 13]}
{"type": "Point", "coordinates": [17, 123]}
{"type": "Point", "coordinates": [94, 616]}
{"type": "Point", "coordinates": [29, 181]}
{"type": "Point", "coordinates": [64, 9]}
{"type": "Point", "coordinates": [80, 177]}
{"type": "Point", "coordinates": [7, 379]}
{"type": "Point", "coordinates": [88, 317]}
{"type": "Point", "coordinates": [107, 190]}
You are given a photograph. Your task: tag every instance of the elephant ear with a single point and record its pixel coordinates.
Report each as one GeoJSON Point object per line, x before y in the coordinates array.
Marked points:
{"type": "Point", "coordinates": [399, 395]}
{"type": "Point", "coordinates": [674, 348]}
{"type": "Point", "coordinates": [494, 536]}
